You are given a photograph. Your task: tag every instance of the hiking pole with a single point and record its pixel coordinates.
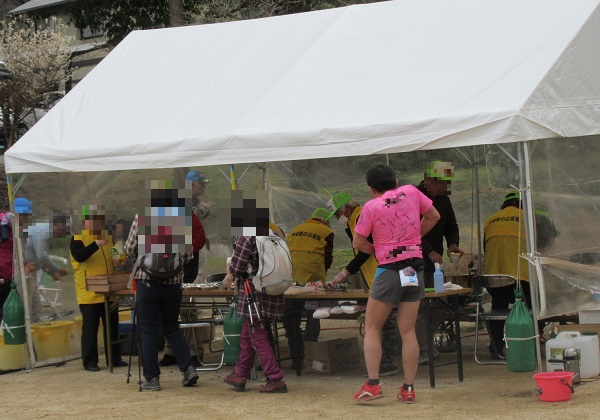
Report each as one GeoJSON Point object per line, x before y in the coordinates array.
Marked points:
{"type": "Point", "coordinates": [131, 343]}
{"type": "Point", "coordinates": [248, 302]}
{"type": "Point", "coordinates": [251, 301]}
{"type": "Point", "coordinates": [138, 339]}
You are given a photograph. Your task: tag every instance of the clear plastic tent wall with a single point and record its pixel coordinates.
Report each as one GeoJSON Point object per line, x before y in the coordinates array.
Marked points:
{"type": "Point", "coordinates": [564, 186]}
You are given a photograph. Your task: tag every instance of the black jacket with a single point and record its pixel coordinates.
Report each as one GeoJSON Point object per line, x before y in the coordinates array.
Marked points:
{"type": "Point", "coordinates": [446, 227]}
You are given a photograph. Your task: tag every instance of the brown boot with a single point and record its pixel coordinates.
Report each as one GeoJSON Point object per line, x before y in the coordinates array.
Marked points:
{"type": "Point", "coordinates": [274, 387]}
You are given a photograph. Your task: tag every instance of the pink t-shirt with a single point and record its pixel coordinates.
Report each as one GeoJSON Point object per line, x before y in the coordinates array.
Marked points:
{"type": "Point", "coordinates": [394, 220]}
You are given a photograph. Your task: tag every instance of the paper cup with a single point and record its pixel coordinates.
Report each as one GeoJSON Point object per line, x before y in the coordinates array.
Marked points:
{"type": "Point", "coordinates": [454, 257]}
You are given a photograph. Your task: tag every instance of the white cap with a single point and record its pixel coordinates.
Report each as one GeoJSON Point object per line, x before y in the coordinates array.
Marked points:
{"type": "Point", "coordinates": [437, 266]}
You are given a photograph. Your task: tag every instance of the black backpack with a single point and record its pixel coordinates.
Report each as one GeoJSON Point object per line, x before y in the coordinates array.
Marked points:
{"type": "Point", "coordinates": [162, 266]}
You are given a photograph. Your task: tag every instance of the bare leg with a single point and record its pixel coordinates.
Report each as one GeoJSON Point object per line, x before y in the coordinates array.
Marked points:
{"type": "Point", "coordinates": [377, 313]}
{"type": "Point", "coordinates": [407, 317]}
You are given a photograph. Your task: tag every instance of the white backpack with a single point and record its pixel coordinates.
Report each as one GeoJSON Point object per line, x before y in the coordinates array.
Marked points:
{"type": "Point", "coordinates": [274, 274]}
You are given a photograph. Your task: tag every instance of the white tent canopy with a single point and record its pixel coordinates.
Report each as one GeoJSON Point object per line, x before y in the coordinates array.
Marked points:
{"type": "Point", "coordinates": [378, 78]}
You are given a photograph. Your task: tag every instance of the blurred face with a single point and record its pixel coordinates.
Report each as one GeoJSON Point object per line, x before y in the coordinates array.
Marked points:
{"type": "Point", "coordinates": [59, 230]}
{"type": "Point", "coordinates": [436, 187]}
{"type": "Point", "coordinates": [198, 188]}
{"type": "Point", "coordinates": [95, 224]}
{"type": "Point", "coordinates": [339, 212]}
{"type": "Point", "coordinates": [119, 230]}
{"type": "Point", "coordinates": [23, 220]}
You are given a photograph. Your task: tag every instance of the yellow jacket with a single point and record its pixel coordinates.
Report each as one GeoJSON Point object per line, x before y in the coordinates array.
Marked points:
{"type": "Point", "coordinates": [369, 268]}
{"type": "Point", "coordinates": [504, 241]}
{"type": "Point", "coordinates": [307, 246]}
{"type": "Point", "coordinates": [99, 263]}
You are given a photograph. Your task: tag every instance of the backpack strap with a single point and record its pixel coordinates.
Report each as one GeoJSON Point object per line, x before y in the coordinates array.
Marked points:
{"type": "Point", "coordinates": [138, 261]}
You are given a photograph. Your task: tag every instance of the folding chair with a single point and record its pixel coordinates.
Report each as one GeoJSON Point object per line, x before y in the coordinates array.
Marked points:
{"type": "Point", "coordinates": [217, 318]}
{"type": "Point", "coordinates": [487, 281]}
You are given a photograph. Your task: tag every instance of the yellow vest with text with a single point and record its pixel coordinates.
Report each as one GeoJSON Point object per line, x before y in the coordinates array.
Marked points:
{"type": "Point", "coordinates": [504, 242]}
{"type": "Point", "coordinates": [369, 268]}
{"type": "Point", "coordinates": [307, 246]}
{"type": "Point", "coordinates": [99, 263]}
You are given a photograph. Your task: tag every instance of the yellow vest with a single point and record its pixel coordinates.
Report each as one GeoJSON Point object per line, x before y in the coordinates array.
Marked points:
{"type": "Point", "coordinates": [99, 263]}
{"type": "Point", "coordinates": [307, 247]}
{"type": "Point", "coordinates": [504, 243]}
{"type": "Point", "coordinates": [367, 270]}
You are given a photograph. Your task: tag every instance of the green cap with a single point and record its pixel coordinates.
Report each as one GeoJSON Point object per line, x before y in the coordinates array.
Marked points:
{"type": "Point", "coordinates": [440, 170]}
{"type": "Point", "coordinates": [337, 202]}
{"type": "Point", "coordinates": [92, 210]}
{"type": "Point", "coordinates": [321, 213]}
{"type": "Point", "coordinates": [514, 194]}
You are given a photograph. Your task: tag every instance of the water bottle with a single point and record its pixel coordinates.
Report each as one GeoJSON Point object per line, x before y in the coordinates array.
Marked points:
{"type": "Point", "coordinates": [438, 279]}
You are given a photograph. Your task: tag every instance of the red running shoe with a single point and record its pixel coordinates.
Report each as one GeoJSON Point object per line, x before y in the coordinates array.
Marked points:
{"type": "Point", "coordinates": [368, 392]}
{"type": "Point", "coordinates": [407, 395]}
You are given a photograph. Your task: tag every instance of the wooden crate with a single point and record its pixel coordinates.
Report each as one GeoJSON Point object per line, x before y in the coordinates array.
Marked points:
{"type": "Point", "coordinates": [107, 282]}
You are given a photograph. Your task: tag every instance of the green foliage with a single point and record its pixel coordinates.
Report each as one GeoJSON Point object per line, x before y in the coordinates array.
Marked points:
{"type": "Point", "coordinates": [116, 18]}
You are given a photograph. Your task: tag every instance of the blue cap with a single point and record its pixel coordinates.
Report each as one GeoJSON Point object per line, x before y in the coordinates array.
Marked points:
{"type": "Point", "coordinates": [23, 205]}
{"type": "Point", "coordinates": [196, 176]}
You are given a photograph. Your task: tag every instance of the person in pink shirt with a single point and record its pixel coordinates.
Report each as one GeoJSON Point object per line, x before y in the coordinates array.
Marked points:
{"type": "Point", "coordinates": [396, 218]}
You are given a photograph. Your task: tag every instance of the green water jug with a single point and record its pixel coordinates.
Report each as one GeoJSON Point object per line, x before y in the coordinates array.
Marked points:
{"type": "Point", "coordinates": [232, 328]}
{"type": "Point", "coordinates": [520, 337]}
{"type": "Point", "coordinates": [13, 315]}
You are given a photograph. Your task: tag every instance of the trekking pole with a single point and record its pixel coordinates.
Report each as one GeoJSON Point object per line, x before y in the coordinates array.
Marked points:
{"type": "Point", "coordinates": [131, 345]}
{"type": "Point", "coordinates": [138, 339]}
{"type": "Point", "coordinates": [248, 302]}
{"type": "Point", "coordinates": [251, 302]}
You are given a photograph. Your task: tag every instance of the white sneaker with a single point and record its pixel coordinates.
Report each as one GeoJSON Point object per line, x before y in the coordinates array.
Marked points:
{"type": "Point", "coordinates": [352, 309]}
{"type": "Point", "coordinates": [336, 310]}
{"type": "Point", "coordinates": [321, 313]}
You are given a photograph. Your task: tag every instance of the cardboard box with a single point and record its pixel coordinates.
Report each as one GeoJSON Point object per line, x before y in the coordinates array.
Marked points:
{"type": "Point", "coordinates": [107, 282]}
{"type": "Point", "coordinates": [581, 328]}
{"type": "Point", "coordinates": [333, 355]}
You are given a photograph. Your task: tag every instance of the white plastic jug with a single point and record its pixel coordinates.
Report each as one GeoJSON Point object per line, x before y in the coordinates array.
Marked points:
{"type": "Point", "coordinates": [555, 347]}
{"type": "Point", "coordinates": [589, 358]}
{"type": "Point", "coordinates": [586, 345]}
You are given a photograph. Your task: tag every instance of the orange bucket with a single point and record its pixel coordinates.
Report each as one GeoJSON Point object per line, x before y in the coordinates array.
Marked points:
{"type": "Point", "coordinates": [554, 386]}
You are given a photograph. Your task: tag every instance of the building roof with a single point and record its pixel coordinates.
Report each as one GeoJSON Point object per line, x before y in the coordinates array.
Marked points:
{"type": "Point", "coordinates": [33, 5]}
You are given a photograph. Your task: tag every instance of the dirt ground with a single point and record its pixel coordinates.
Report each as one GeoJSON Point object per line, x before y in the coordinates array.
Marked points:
{"type": "Point", "coordinates": [487, 392]}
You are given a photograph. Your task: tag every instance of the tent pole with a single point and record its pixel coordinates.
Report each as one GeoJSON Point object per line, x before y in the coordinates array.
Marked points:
{"type": "Point", "coordinates": [19, 273]}
{"type": "Point", "coordinates": [526, 194]}
{"type": "Point", "coordinates": [478, 211]}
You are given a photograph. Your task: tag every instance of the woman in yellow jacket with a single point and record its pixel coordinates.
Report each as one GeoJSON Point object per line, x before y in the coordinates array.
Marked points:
{"type": "Point", "coordinates": [91, 256]}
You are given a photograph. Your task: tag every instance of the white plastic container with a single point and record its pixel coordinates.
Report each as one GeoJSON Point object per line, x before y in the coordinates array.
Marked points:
{"type": "Point", "coordinates": [586, 345]}
{"type": "Point", "coordinates": [590, 355]}
{"type": "Point", "coordinates": [589, 315]}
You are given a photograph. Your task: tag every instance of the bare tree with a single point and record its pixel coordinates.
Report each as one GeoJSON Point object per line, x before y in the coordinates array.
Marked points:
{"type": "Point", "coordinates": [176, 13]}
{"type": "Point", "coordinates": [38, 62]}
